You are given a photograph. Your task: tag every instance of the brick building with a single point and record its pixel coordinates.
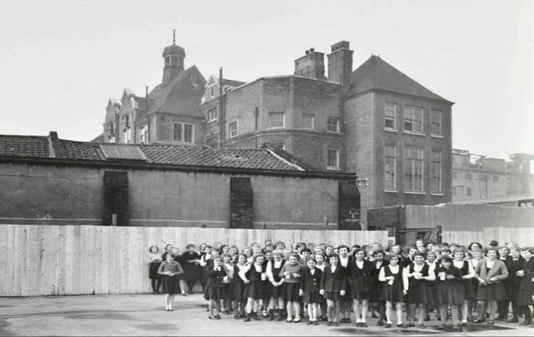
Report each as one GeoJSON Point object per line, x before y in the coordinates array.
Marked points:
{"type": "Point", "coordinates": [476, 177]}
{"type": "Point", "coordinates": [375, 121]}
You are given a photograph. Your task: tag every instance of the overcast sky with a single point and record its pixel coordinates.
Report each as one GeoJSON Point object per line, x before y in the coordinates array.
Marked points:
{"type": "Point", "coordinates": [60, 61]}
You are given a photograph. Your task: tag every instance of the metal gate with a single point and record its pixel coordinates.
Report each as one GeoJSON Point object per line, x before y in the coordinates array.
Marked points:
{"type": "Point", "coordinates": [408, 236]}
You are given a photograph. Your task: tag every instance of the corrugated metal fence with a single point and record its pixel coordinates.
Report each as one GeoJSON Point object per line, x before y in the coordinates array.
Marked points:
{"type": "Point", "coordinates": [38, 260]}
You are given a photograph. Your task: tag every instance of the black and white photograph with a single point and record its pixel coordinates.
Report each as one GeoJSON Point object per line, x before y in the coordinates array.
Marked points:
{"type": "Point", "coordinates": [267, 168]}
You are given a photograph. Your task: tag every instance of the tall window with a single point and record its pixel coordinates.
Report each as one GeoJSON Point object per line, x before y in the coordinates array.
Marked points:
{"type": "Point", "coordinates": [413, 169]}
{"type": "Point", "coordinates": [333, 125]}
{"type": "Point", "coordinates": [333, 159]}
{"type": "Point", "coordinates": [212, 114]}
{"type": "Point", "coordinates": [127, 134]}
{"type": "Point", "coordinates": [391, 116]}
{"type": "Point", "coordinates": [232, 130]}
{"type": "Point", "coordinates": [183, 132]}
{"type": "Point", "coordinates": [437, 175]}
{"type": "Point", "coordinates": [111, 132]}
{"type": "Point", "coordinates": [276, 119]}
{"type": "Point", "coordinates": [413, 119]}
{"type": "Point", "coordinates": [143, 134]}
{"type": "Point", "coordinates": [435, 123]}
{"type": "Point", "coordinates": [390, 167]}
{"type": "Point", "coordinates": [308, 121]}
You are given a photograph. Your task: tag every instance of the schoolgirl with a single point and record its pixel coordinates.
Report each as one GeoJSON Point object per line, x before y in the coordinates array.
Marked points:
{"type": "Point", "coordinates": [502, 305]}
{"type": "Point", "coordinates": [239, 300]}
{"type": "Point", "coordinates": [477, 256]}
{"type": "Point", "coordinates": [154, 261]}
{"type": "Point", "coordinates": [207, 264]}
{"type": "Point", "coordinates": [419, 294]}
{"type": "Point", "coordinates": [253, 278]}
{"type": "Point", "coordinates": [433, 264]}
{"type": "Point", "coordinates": [170, 270]}
{"type": "Point", "coordinates": [190, 261]}
{"type": "Point", "coordinates": [234, 252]}
{"type": "Point", "coordinates": [310, 284]}
{"type": "Point", "coordinates": [228, 266]}
{"type": "Point", "coordinates": [464, 285]}
{"type": "Point", "coordinates": [178, 258]}
{"type": "Point", "coordinates": [490, 274]}
{"type": "Point", "coordinates": [247, 251]}
{"type": "Point", "coordinates": [375, 295]}
{"type": "Point", "coordinates": [526, 288]}
{"type": "Point", "coordinates": [359, 274]}
{"type": "Point", "coordinates": [267, 285]}
{"type": "Point", "coordinates": [216, 278]}
{"type": "Point", "coordinates": [395, 286]}
{"type": "Point", "coordinates": [333, 287]}
{"type": "Point", "coordinates": [514, 264]}
{"type": "Point", "coordinates": [321, 264]}
{"type": "Point", "coordinates": [450, 291]}
{"type": "Point", "coordinates": [345, 302]}
{"type": "Point", "coordinates": [292, 272]}
{"type": "Point", "coordinates": [276, 301]}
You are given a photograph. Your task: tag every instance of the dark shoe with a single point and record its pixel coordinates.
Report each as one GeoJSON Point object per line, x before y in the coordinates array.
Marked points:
{"type": "Point", "coordinates": [513, 320]}
{"type": "Point", "coordinates": [280, 317]}
{"type": "Point", "coordinates": [441, 327]}
{"type": "Point", "coordinates": [456, 327]}
{"type": "Point", "coordinates": [490, 322]}
{"type": "Point", "coordinates": [255, 317]}
{"type": "Point", "coordinates": [217, 317]}
{"type": "Point", "coordinates": [363, 325]}
{"type": "Point", "coordinates": [211, 317]}
{"type": "Point", "coordinates": [329, 323]}
{"type": "Point", "coordinates": [271, 315]}
{"type": "Point", "coordinates": [184, 294]}
{"type": "Point", "coordinates": [236, 316]}
{"type": "Point", "coordinates": [335, 324]}
{"type": "Point", "coordinates": [315, 323]}
{"type": "Point", "coordinates": [427, 318]}
{"type": "Point", "coordinates": [247, 319]}
{"type": "Point", "coordinates": [410, 325]}
{"type": "Point", "coordinates": [380, 323]}
{"type": "Point", "coordinates": [401, 326]}
{"type": "Point", "coordinates": [324, 319]}
{"type": "Point", "coordinates": [342, 320]}
{"type": "Point", "coordinates": [479, 321]}
{"type": "Point", "coordinates": [387, 326]}
{"type": "Point", "coordinates": [465, 324]}
{"type": "Point", "coordinates": [421, 326]}
{"type": "Point", "coordinates": [309, 323]}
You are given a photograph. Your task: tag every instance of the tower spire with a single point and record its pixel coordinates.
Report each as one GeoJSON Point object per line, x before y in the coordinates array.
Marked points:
{"type": "Point", "coordinates": [174, 36]}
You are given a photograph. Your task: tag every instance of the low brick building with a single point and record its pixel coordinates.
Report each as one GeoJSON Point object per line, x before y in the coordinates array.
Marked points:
{"type": "Point", "coordinates": [47, 180]}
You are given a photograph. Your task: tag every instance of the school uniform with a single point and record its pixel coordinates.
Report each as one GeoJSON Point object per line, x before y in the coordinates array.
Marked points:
{"type": "Point", "coordinates": [238, 286]}
{"type": "Point", "coordinates": [359, 279]}
{"type": "Point", "coordinates": [433, 285]}
{"type": "Point", "coordinates": [394, 292]}
{"type": "Point", "coordinates": [274, 270]}
{"type": "Point", "coordinates": [332, 282]}
{"type": "Point", "coordinates": [526, 285]}
{"type": "Point", "coordinates": [215, 283]}
{"type": "Point", "coordinates": [254, 288]}
{"type": "Point", "coordinates": [492, 291]}
{"type": "Point", "coordinates": [171, 285]}
{"type": "Point", "coordinates": [291, 289]}
{"type": "Point", "coordinates": [375, 294]}
{"type": "Point", "coordinates": [449, 291]}
{"type": "Point", "coordinates": [419, 290]}
{"type": "Point", "coordinates": [310, 284]}
{"type": "Point", "coordinates": [345, 262]}
{"type": "Point", "coordinates": [464, 285]}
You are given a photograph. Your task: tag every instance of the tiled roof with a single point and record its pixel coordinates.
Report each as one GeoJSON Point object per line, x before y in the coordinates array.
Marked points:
{"type": "Point", "coordinates": [259, 159]}
{"type": "Point", "coordinates": [24, 146]}
{"type": "Point", "coordinates": [376, 73]}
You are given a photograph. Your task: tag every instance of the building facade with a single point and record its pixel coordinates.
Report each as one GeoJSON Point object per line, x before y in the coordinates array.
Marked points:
{"type": "Point", "coordinates": [479, 178]}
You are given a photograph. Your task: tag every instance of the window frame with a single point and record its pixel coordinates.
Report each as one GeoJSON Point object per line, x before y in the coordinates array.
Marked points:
{"type": "Point", "coordinates": [394, 179]}
{"type": "Point", "coordinates": [413, 110]}
{"type": "Point", "coordinates": [395, 114]}
{"type": "Point", "coordinates": [440, 177]}
{"type": "Point", "coordinates": [337, 124]}
{"type": "Point", "coordinates": [182, 133]}
{"type": "Point", "coordinates": [271, 114]}
{"type": "Point", "coordinates": [230, 130]}
{"type": "Point", "coordinates": [414, 161]}
{"type": "Point", "coordinates": [337, 152]}
{"type": "Point", "coordinates": [216, 114]}
{"type": "Point", "coordinates": [440, 126]}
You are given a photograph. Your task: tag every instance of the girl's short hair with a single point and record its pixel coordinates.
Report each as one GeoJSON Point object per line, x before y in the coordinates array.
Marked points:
{"type": "Point", "coordinates": [150, 249]}
{"type": "Point", "coordinates": [279, 243]}
{"type": "Point", "coordinates": [295, 255]}
{"type": "Point", "coordinates": [446, 259]}
{"type": "Point", "coordinates": [278, 252]}
{"type": "Point", "coordinates": [215, 250]}
{"type": "Point", "coordinates": [227, 255]}
{"type": "Point", "coordinates": [380, 251]}
{"type": "Point", "coordinates": [530, 249]}
{"type": "Point", "coordinates": [239, 255]}
{"type": "Point", "coordinates": [255, 258]}
{"type": "Point", "coordinates": [470, 247]}
{"type": "Point", "coordinates": [359, 250]}
{"type": "Point", "coordinates": [459, 250]}
{"type": "Point", "coordinates": [395, 256]}
{"type": "Point", "coordinates": [168, 245]}
{"type": "Point", "coordinates": [190, 245]}
{"type": "Point", "coordinates": [489, 249]}
{"type": "Point", "coordinates": [306, 250]}
{"type": "Point", "coordinates": [419, 254]}
{"type": "Point", "coordinates": [335, 256]}
{"type": "Point", "coordinates": [233, 247]}
{"type": "Point", "coordinates": [504, 247]}
{"type": "Point", "coordinates": [343, 246]}
{"type": "Point", "coordinates": [217, 258]}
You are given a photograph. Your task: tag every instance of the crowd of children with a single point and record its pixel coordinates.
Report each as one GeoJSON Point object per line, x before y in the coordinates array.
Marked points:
{"type": "Point", "coordinates": [471, 284]}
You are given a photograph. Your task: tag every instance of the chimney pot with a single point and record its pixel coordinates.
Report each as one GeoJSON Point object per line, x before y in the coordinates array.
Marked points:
{"type": "Point", "coordinates": [307, 52]}
{"type": "Point", "coordinates": [53, 135]}
{"type": "Point", "coordinates": [312, 50]}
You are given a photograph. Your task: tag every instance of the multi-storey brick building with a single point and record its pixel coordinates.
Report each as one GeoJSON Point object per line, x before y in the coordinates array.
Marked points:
{"type": "Point", "coordinates": [169, 113]}
{"type": "Point", "coordinates": [375, 121]}
{"type": "Point", "coordinates": [477, 177]}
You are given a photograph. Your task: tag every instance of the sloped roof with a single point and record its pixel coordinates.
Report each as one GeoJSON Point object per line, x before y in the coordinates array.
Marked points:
{"type": "Point", "coordinates": [377, 74]}
{"type": "Point", "coordinates": [180, 155]}
{"type": "Point", "coordinates": [232, 83]}
{"type": "Point", "coordinates": [163, 95]}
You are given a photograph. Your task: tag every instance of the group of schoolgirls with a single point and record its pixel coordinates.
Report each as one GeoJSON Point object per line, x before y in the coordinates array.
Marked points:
{"type": "Point", "coordinates": [333, 282]}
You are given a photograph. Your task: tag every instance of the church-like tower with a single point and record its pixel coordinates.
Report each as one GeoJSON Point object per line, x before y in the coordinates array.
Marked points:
{"type": "Point", "coordinates": [174, 61]}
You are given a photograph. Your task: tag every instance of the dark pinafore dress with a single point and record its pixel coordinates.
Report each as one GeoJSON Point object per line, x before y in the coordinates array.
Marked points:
{"type": "Point", "coordinates": [466, 286]}
{"type": "Point", "coordinates": [393, 292]}
{"type": "Point", "coordinates": [277, 291]}
{"type": "Point", "coordinates": [255, 288]}
{"type": "Point", "coordinates": [419, 291]}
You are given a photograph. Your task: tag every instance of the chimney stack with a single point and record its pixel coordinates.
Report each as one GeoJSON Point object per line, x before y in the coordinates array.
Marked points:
{"type": "Point", "coordinates": [340, 63]}
{"type": "Point", "coordinates": [311, 65]}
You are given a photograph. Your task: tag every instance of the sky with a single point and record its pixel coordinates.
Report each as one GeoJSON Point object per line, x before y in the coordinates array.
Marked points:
{"type": "Point", "coordinates": [61, 60]}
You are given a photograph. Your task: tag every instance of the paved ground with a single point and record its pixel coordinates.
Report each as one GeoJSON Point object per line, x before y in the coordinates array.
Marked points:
{"type": "Point", "coordinates": [144, 315]}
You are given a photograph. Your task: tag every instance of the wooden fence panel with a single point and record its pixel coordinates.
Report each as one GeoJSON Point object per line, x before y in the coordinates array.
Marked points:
{"type": "Point", "coordinates": [70, 260]}
{"type": "Point", "coordinates": [523, 236]}
{"type": "Point", "coordinates": [463, 238]}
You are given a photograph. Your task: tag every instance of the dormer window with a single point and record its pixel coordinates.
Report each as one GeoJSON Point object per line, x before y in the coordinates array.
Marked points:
{"type": "Point", "coordinates": [171, 61]}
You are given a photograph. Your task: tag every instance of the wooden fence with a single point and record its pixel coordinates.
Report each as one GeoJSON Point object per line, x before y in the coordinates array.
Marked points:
{"type": "Point", "coordinates": [38, 260]}
{"type": "Point", "coordinates": [523, 236]}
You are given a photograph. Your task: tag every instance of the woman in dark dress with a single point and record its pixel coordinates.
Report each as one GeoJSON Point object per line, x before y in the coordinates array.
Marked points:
{"type": "Point", "coordinates": [154, 261]}
{"type": "Point", "coordinates": [375, 296]}
{"type": "Point", "coordinates": [450, 291]}
{"type": "Point", "coordinates": [490, 274]}
{"type": "Point", "coordinates": [190, 261]}
{"type": "Point", "coordinates": [526, 287]}
{"type": "Point", "coordinates": [512, 283]}
{"type": "Point", "coordinates": [359, 273]}
{"type": "Point", "coordinates": [277, 285]}
{"type": "Point", "coordinates": [419, 293]}
{"type": "Point", "coordinates": [238, 287]}
{"type": "Point", "coordinates": [395, 286]}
